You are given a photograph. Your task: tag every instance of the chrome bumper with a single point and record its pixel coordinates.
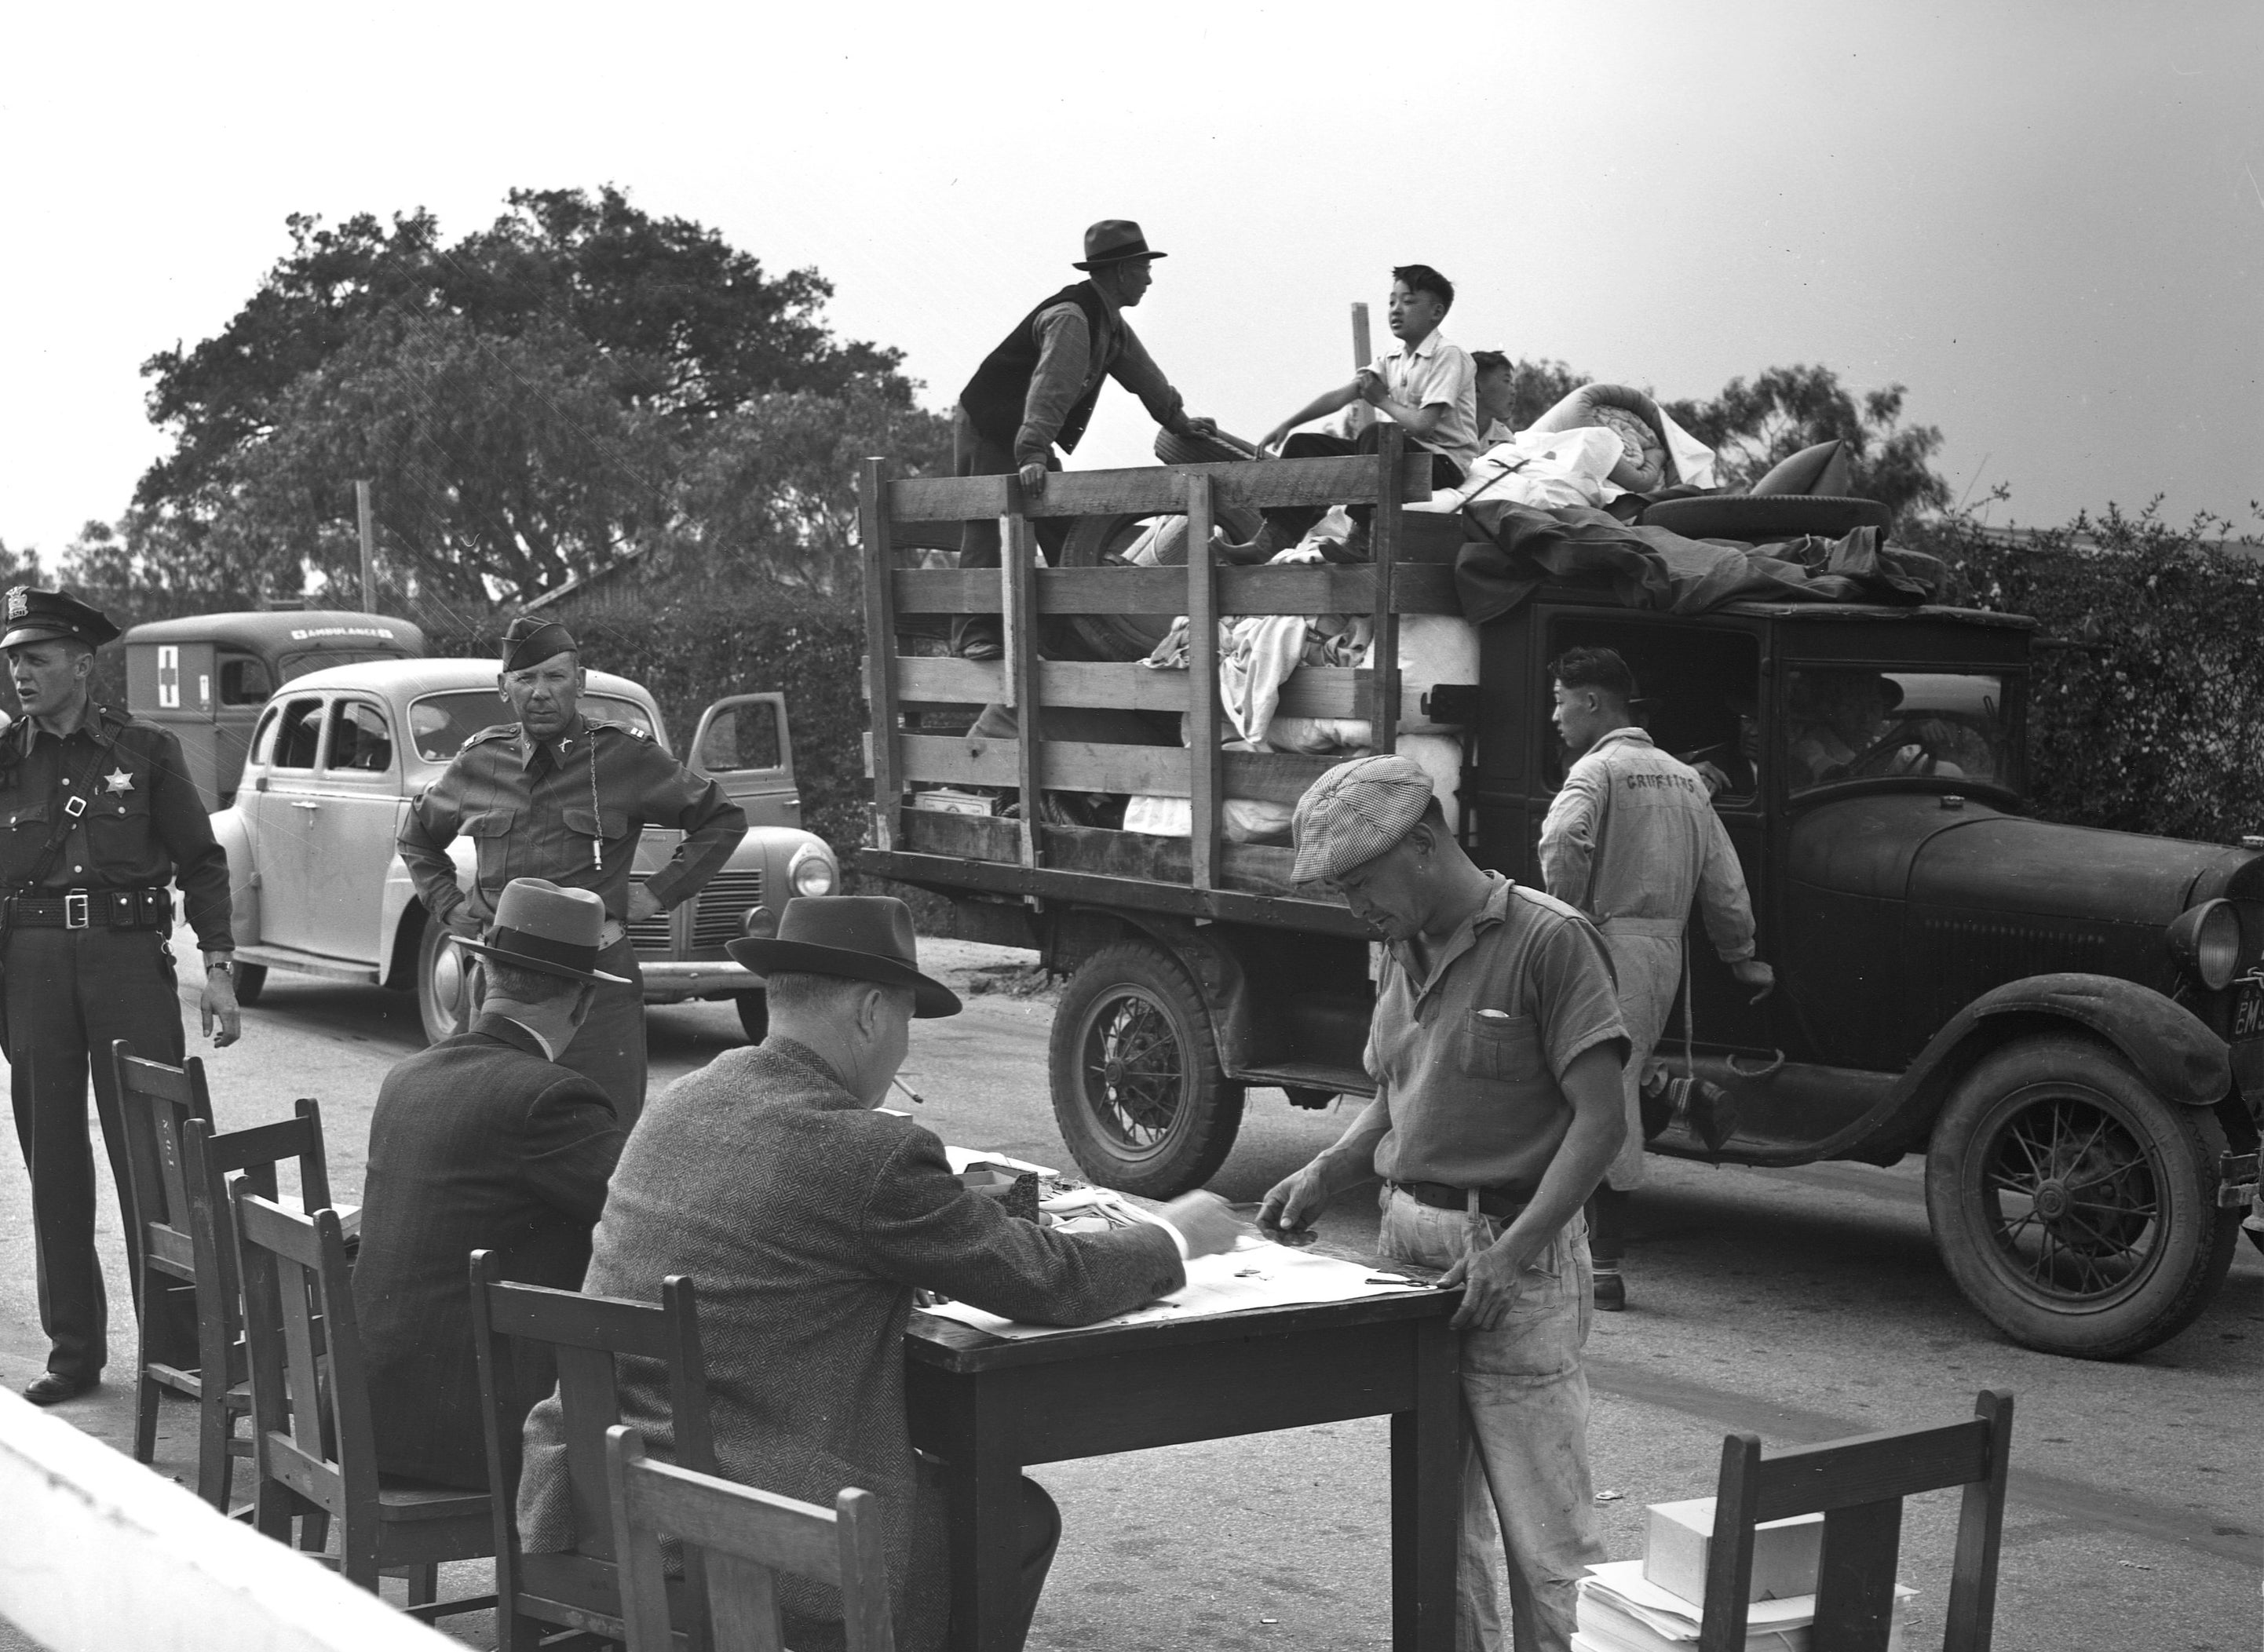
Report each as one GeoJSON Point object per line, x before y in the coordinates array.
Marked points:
{"type": "Point", "coordinates": [665, 982]}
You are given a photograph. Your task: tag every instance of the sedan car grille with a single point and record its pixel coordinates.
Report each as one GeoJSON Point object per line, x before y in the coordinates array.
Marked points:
{"type": "Point", "coordinates": [652, 937]}
{"type": "Point", "coordinates": [720, 913]}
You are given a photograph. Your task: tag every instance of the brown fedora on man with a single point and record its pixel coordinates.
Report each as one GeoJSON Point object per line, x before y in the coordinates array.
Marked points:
{"type": "Point", "coordinates": [1112, 241]}
{"type": "Point", "coordinates": [556, 932]}
{"type": "Point", "coordinates": [863, 937]}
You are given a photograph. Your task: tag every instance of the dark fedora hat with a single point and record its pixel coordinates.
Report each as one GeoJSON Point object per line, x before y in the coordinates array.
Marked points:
{"type": "Point", "coordinates": [1114, 240]}
{"type": "Point", "coordinates": [555, 931]}
{"type": "Point", "coordinates": [863, 937]}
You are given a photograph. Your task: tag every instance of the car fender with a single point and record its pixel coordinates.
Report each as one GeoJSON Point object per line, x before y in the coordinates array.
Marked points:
{"type": "Point", "coordinates": [772, 848]}
{"type": "Point", "coordinates": [401, 913]}
{"type": "Point", "coordinates": [2176, 1055]}
{"type": "Point", "coordinates": [1218, 975]}
{"type": "Point", "coordinates": [232, 830]}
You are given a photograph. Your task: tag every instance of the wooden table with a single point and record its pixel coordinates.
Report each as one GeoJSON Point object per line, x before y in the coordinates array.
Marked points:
{"type": "Point", "coordinates": [990, 1407]}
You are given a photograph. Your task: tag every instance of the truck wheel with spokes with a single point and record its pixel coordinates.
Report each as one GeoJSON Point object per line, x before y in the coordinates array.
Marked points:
{"type": "Point", "coordinates": [1137, 1085]}
{"type": "Point", "coordinates": [443, 985]}
{"type": "Point", "coordinates": [2074, 1206]}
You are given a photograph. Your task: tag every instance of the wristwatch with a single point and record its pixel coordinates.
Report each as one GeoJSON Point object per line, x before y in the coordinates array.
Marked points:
{"type": "Point", "coordinates": [224, 964]}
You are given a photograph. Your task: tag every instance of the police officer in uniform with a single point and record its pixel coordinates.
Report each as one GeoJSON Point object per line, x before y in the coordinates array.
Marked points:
{"type": "Point", "coordinates": [562, 796]}
{"type": "Point", "coordinates": [100, 816]}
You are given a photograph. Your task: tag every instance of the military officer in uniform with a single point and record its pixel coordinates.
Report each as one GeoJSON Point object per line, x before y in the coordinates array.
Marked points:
{"type": "Point", "coordinates": [562, 796]}
{"type": "Point", "coordinates": [101, 815]}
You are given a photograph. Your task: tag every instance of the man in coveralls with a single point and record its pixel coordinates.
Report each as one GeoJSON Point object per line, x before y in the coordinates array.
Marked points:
{"type": "Point", "coordinates": [1631, 839]}
{"type": "Point", "coordinates": [563, 797]}
{"type": "Point", "coordinates": [101, 815]}
{"type": "Point", "coordinates": [1496, 1046]}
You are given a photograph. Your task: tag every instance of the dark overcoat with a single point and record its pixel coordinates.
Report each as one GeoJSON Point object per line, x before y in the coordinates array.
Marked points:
{"type": "Point", "coordinates": [805, 1221]}
{"type": "Point", "coordinates": [479, 1142]}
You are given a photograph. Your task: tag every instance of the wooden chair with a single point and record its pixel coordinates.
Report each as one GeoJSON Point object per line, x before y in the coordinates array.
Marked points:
{"type": "Point", "coordinates": [210, 1160]}
{"type": "Point", "coordinates": [156, 1101]}
{"type": "Point", "coordinates": [580, 1337]}
{"type": "Point", "coordinates": [312, 1441]}
{"type": "Point", "coordinates": [744, 1536]}
{"type": "Point", "coordinates": [1859, 1486]}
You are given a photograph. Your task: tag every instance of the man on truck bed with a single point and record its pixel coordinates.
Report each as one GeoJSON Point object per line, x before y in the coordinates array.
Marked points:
{"type": "Point", "coordinates": [1496, 1046]}
{"type": "Point", "coordinates": [1036, 392]}
{"type": "Point", "coordinates": [1630, 839]}
{"type": "Point", "coordinates": [1428, 386]}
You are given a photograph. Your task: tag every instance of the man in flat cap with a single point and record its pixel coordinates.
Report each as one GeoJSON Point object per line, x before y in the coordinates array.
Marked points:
{"type": "Point", "coordinates": [564, 797]}
{"type": "Point", "coordinates": [482, 1142]}
{"type": "Point", "coordinates": [102, 817]}
{"type": "Point", "coordinates": [1496, 1047]}
{"type": "Point", "coordinates": [808, 1219]}
{"type": "Point", "coordinates": [1035, 392]}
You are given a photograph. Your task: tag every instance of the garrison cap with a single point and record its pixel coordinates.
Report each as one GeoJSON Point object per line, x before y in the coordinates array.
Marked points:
{"type": "Point", "coordinates": [1355, 811]}
{"type": "Point", "coordinates": [529, 641]}
{"type": "Point", "coordinates": [46, 616]}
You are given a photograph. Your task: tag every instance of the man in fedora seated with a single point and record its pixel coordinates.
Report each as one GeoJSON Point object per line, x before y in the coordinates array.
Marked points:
{"type": "Point", "coordinates": [1036, 391]}
{"type": "Point", "coordinates": [482, 1141]}
{"type": "Point", "coordinates": [807, 1220]}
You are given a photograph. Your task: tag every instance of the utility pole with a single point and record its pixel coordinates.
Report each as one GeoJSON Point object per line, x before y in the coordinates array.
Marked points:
{"type": "Point", "coordinates": [1360, 413]}
{"type": "Point", "coordinates": [369, 548]}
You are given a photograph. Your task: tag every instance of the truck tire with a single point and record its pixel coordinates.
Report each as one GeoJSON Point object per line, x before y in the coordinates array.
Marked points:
{"type": "Point", "coordinates": [2072, 1205]}
{"type": "Point", "coordinates": [1137, 1085]}
{"type": "Point", "coordinates": [754, 1014]}
{"type": "Point", "coordinates": [1101, 542]}
{"type": "Point", "coordinates": [443, 990]}
{"type": "Point", "coordinates": [251, 981]}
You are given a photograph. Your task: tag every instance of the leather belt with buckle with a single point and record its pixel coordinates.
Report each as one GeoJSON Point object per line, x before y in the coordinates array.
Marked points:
{"type": "Point", "coordinates": [1492, 1201]}
{"type": "Point", "coordinates": [147, 908]}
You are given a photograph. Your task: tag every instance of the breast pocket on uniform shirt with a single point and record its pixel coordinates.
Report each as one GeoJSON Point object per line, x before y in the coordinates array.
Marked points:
{"type": "Point", "coordinates": [613, 823]}
{"type": "Point", "coordinates": [27, 829]}
{"type": "Point", "coordinates": [489, 831]}
{"type": "Point", "coordinates": [117, 822]}
{"type": "Point", "coordinates": [1493, 1044]}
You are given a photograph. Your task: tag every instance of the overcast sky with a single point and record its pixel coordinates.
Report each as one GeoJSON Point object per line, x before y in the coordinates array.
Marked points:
{"type": "Point", "coordinates": [2047, 219]}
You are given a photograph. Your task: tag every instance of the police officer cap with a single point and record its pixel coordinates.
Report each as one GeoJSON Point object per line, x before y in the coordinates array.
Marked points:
{"type": "Point", "coordinates": [529, 641]}
{"type": "Point", "coordinates": [1355, 811]}
{"type": "Point", "coordinates": [48, 616]}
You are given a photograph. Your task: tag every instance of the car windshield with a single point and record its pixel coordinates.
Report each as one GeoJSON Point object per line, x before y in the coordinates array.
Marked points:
{"type": "Point", "coordinates": [439, 724]}
{"type": "Point", "coordinates": [1855, 723]}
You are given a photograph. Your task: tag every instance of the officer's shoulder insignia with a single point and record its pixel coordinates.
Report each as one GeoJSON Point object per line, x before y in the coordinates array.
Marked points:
{"type": "Point", "coordinates": [485, 736]}
{"type": "Point", "coordinates": [630, 729]}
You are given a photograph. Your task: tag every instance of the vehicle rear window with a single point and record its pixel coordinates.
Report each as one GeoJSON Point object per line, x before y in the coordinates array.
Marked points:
{"type": "Point", "coordinates": [439, 724]}
{"type": "Point", "coordinates": [301, 734]}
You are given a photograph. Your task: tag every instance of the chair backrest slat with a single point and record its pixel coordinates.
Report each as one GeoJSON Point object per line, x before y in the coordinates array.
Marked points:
{"type": "Point", "coordinates": [1858, 1485]}
{"type": "Point", "coordinates": [158, 1101]}
{"type": "Point", "coordinates": [745, 1537]}
{"type": "Point", "coordinates": [589, 1403]}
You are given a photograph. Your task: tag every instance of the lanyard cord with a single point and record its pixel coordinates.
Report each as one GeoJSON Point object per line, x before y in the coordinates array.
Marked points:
{"type": "Point", "coordinates": [597, 818]}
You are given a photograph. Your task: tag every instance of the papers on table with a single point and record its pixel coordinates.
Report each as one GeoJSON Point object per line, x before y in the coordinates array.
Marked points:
{"type": "Point", "coordinates": [1257, 1274]}
{"type": "Point", "coordinates": [962, 1158]}
{"type": "Point", "coordinates": [1621, 1611]}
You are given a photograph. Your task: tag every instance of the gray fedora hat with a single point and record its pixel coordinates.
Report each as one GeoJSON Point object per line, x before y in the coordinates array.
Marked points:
{"type": "Point", "coordinates": [555, 931]}
{"type": "Point", "coordinates": [863, 937]}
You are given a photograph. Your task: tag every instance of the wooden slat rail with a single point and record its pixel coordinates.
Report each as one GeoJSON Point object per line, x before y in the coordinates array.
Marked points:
{"type": "Point", "coordinates": [880, 625]}
{"type": "Point", "coordinates": [1157, 489]}
{"type": "Point", "coordinates": [1417, 588]}
{"type": "Point", "coordinates": [1078, 766]}
{"type": "Point", "coordinates": [1311, 690]}
{"type": "Point", "coordinates": [1205, 774]}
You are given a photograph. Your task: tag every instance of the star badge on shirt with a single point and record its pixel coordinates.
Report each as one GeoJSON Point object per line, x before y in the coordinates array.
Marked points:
{"type": "Point", "coordinates": [120, 781]}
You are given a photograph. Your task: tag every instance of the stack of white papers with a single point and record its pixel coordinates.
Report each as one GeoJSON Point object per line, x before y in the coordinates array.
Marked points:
{"type": "Point", "coordinates": [1619, 1610]}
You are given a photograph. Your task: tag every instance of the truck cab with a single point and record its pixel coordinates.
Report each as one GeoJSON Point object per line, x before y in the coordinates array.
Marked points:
{"type": "Point", "coordinates": [207, 677]}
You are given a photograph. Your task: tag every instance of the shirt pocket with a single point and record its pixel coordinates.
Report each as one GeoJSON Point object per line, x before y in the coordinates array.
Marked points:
{"type": "Point", "coordinates": [585, 823]}
{"type": "Point", "coordinates": [490, 830]}
{"type": "Point", "coordinates": [1491, 1045]}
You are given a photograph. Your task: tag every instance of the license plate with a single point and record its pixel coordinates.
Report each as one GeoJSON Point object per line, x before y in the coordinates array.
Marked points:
{"type": "Point", "coordinates": [2248, 1012]}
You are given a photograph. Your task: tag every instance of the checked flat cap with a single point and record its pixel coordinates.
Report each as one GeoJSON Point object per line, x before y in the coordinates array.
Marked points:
{"type": "Point", "coordinates": [1355, 811]}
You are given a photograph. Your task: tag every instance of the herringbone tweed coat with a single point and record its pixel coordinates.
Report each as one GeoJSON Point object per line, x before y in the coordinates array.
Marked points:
{"type": "Point", "coordinates": [480, 1142]}
{"type": "Point", "coordinates": [805, 1221]}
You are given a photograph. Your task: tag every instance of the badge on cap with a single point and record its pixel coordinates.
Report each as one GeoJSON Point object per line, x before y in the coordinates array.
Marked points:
{"type": "Point", "coordinates": [19, 601]}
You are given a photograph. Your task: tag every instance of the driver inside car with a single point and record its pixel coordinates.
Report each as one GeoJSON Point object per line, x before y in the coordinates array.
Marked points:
{"type": "Point", "coordinates": [1839, 729]}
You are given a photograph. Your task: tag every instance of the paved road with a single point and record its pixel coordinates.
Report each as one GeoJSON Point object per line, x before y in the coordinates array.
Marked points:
{"type": "Point", "coordinates": [1800, 1305]}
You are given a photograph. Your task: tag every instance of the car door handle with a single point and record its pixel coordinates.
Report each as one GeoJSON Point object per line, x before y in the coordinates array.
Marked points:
{"type": "Point", "coordinates": [305, 803]}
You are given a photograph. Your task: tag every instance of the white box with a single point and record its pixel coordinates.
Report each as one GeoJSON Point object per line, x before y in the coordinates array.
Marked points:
{"type": "Point", "coordinates": [1681, 1535]}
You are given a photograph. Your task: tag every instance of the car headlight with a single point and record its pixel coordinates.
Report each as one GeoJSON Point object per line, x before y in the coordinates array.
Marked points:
{"type": "Point", "coordinates": [812, 872]}
{"type": "Point", "coordinates": [2206, 942]}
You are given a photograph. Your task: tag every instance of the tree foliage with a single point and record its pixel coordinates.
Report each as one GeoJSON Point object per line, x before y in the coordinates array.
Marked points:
{"type": "Point", "coordinates": [531, 400]}
{"type": "Point", "coordinates": [1751, 426]}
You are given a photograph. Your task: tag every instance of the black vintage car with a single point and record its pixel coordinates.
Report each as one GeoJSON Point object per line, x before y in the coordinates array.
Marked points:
{"type": "Point", "coordinates": [2068, 1024]}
